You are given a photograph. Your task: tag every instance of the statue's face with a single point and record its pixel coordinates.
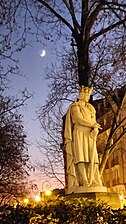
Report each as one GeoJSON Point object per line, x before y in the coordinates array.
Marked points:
{"type": "Point", "coordinates": [87, 97]}
{"type": "Point", "coordinates": [84, 97]}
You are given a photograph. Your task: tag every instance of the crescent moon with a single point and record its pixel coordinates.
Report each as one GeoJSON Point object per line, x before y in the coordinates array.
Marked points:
{"type": "Point", "coordinates": [42, 53]}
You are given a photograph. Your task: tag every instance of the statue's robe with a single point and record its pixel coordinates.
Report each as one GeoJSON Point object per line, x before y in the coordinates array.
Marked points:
{"type": "Point", "coordinates": [80, 142]}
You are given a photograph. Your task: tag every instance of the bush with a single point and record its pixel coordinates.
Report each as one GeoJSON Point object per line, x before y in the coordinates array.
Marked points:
{"type": "Point", "coordinates": [11, 215]}
{"type": "Point", "coordinates": [62, 211]}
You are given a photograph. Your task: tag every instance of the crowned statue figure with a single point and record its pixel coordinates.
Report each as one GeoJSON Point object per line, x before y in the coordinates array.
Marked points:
{"type": "Point", "coordinates": [81, 130]}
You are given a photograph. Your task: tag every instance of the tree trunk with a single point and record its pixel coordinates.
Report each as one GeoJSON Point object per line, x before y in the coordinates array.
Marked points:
{"type": "Point", "coordinates": [83, 64]}
{"type": "Point", "coordinates": [103, 162]}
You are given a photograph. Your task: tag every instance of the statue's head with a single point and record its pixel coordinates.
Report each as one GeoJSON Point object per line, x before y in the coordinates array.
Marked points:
{"type": "Point", "coordinates": [84, 93]}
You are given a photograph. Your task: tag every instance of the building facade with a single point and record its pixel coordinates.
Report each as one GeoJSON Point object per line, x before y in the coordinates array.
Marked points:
{"type": "Point", "coordinates": [108, 109]}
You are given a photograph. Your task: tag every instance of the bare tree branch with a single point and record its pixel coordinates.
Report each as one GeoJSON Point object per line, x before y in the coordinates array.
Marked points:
{"type": "Point", "coordinates": [56, 14]}
{"type": "Point", "coordinates": [105, 30]}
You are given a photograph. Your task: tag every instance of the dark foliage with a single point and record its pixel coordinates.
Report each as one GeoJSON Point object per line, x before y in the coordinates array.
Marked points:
{"type": "Point", "coordinates": [62, 211]}
{"type": "Point", "coordinates": [13, 150]}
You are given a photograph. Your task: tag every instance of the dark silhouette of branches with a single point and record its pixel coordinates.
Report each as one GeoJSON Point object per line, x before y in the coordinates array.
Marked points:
{"type": "Point", "coordinates": [14, 163]}
{"type": "Point", "coordinates": [95, 32]}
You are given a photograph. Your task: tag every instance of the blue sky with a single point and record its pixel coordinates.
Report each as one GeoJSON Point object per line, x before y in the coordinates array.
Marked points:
{"type": "Point", "coordinates": [32, 67]}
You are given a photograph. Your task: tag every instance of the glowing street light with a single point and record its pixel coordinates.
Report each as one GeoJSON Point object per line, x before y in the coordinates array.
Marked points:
{"type": "Point", "coordinates": [37, 198]}
{"type": "Point", "coordinates": [48, 192]}
{"type": "Point", "coordinates": [26, 200]}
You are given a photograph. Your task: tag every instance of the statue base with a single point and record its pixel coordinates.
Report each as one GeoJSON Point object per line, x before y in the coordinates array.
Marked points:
{"type": "Point", "coordinates": [112, 199]}
{"type": "Point", "coordinates": [82, 189]}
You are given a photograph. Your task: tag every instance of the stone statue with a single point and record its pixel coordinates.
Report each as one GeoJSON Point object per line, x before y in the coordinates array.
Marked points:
{"type": "Point", "coordinates": [81, 129]}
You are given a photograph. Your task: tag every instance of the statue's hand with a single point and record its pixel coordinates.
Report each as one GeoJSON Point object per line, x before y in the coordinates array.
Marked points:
{"type": "Point", "coordinates": [94, 133]}
{"type": "Point", "coordinates": [97, 125]}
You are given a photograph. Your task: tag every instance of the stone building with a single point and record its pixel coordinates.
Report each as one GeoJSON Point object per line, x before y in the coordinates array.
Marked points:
{"type": "Point", "coordinates": [114, 175]}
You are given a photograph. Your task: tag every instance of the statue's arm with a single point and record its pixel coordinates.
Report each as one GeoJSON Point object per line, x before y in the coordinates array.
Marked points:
{"type": "Point", "coordinates": [96, 125]}
{"type": "Point", "coordinates": [78, 118]}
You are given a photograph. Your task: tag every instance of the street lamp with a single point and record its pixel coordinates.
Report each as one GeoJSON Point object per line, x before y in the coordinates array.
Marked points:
{"type": "Point", "coordinates": [37, 198]}
{"type": "Point", "coordinates": [47, 192]}
{"type": "Point", "coordinates": [26, 200]}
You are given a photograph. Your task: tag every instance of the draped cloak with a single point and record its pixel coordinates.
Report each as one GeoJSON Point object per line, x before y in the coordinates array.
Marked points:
{"type": "Point", "coordinates": [80, 140]}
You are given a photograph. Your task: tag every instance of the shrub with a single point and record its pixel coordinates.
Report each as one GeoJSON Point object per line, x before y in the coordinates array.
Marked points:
{"type": "Point", "coordinates": [62, 211]}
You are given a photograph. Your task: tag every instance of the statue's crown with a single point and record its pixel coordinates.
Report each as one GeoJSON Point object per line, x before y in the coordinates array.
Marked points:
{"type": "Point", "coordinates": [86, 90]}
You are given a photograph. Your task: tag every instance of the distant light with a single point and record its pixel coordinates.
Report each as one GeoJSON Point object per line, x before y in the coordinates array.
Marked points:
{"type": "Point", "coordinates": [42, 53]}
{"type": "Point", "coordinates": [26, 200]}
{"type": "Point", "coordinates": [37, 198]}
{"type": "Point", "coordinates": [15, 205]}
{"type": "Point", "coordinates": [48, 192]}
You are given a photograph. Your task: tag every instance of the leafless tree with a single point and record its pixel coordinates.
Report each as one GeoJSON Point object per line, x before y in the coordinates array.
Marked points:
{"type": "Point", "coordinates": [95, 29]}
{"type": "Point", "coordinates": [81, 23]}
{"type": "Point", "coordinates": [14, 162]}
{"type": "Point", "coordinates": [85, 23]}
{"type": "Point", "coordinates": [116, 123]}
{"type": "Point", "coordinates": [64, 90]}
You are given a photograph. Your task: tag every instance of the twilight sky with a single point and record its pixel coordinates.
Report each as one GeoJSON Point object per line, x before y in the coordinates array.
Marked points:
{"type": "Point", "coordinates": [32, 66]}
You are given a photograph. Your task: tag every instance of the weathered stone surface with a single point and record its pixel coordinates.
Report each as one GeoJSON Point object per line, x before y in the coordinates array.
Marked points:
{"type": "Point", "coordinates": [112, 199]}
{"type": "Point", "coordinates": [80, 134]}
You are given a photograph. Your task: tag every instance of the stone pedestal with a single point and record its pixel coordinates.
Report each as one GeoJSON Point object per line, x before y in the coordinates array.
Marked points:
{"type": "Point", "coordinates": [112, 199]}
{"type": "Point", "coordinates": [94, 189]}
{"type": "Point", "coordinates": [84, 189]}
